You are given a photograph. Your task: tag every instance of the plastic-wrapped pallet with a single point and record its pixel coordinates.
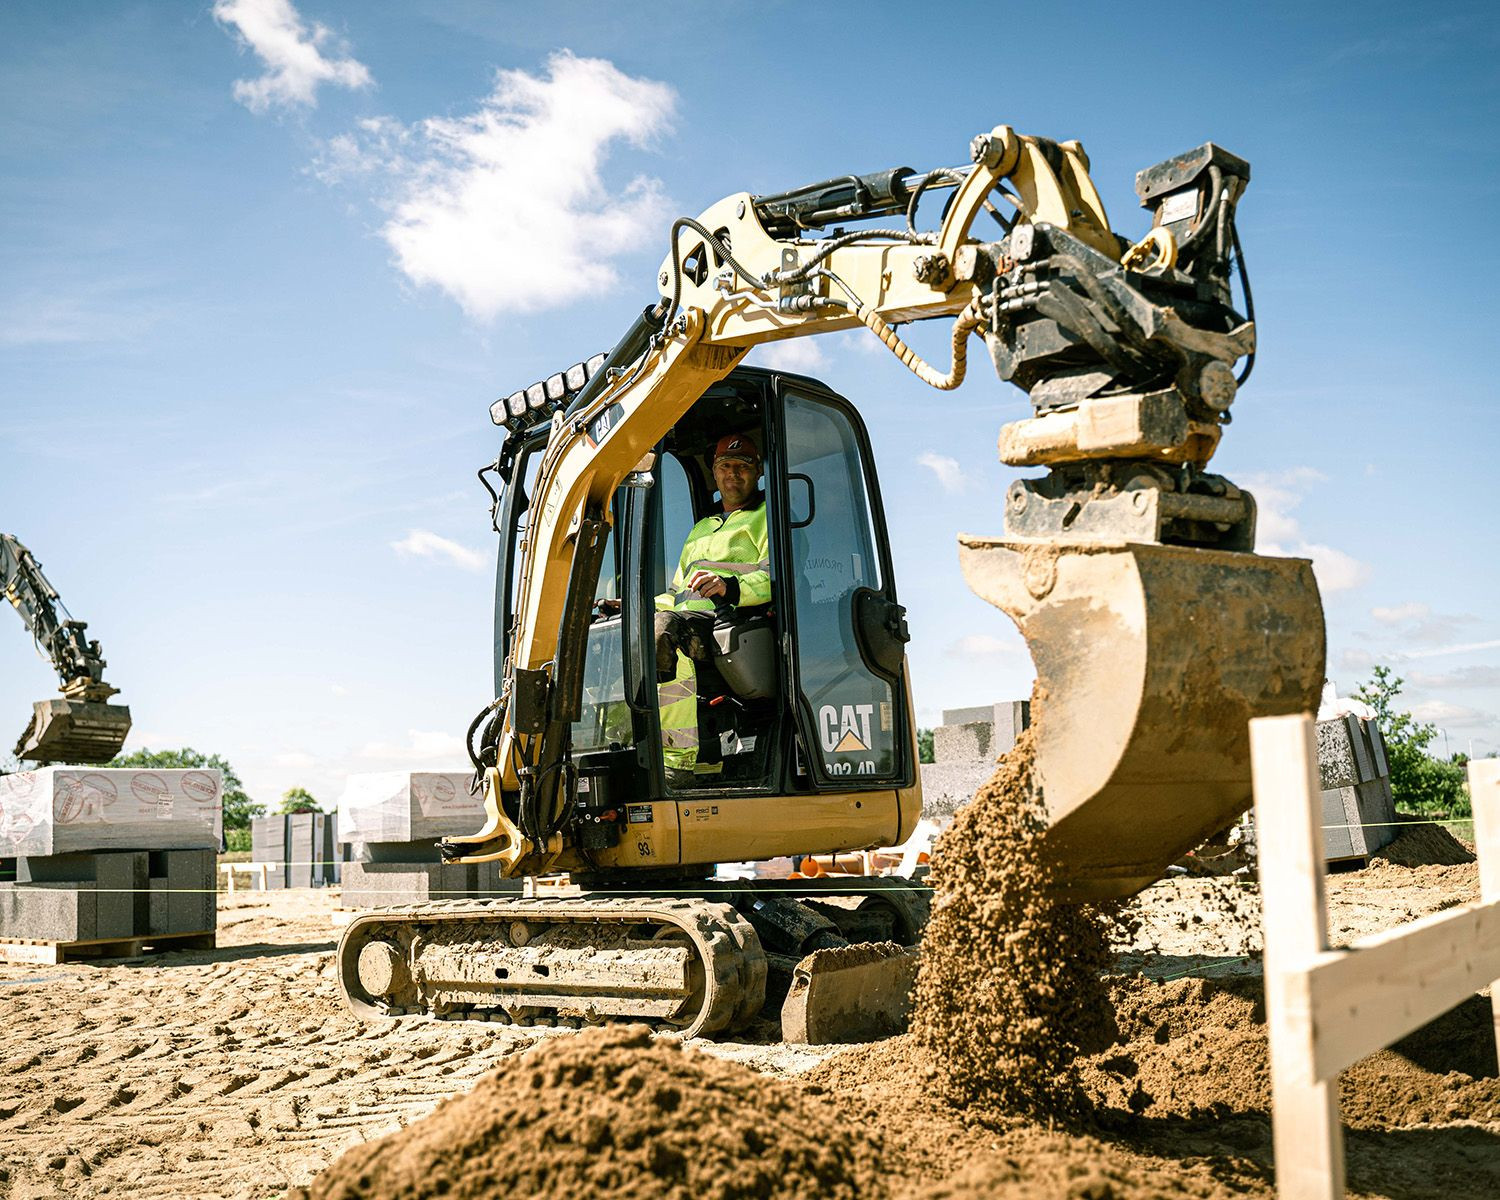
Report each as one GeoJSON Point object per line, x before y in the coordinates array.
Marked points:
{"type": "Point", "coordinates": [65, 810]}
{"type": "Point", "coordinates": [393, 822]}
{"type": "Point", "coordinates": [408, 806]}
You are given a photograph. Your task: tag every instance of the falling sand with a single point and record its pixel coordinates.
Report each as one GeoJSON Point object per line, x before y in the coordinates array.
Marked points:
{"type": "Point", "coordinates": [1010, 990]}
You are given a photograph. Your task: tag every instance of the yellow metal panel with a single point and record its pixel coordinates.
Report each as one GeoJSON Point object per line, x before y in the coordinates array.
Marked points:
{"type": "Point", "coordinates": [645, 843]}
{"type": "Point", "coordinates": [760, 827]}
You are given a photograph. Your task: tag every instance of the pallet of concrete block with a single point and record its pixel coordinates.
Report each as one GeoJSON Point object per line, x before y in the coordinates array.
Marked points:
{"type": "Point", "coordinates": [965, 747]}
{"type": "Point", "coordinates": [106, 861]}
{"type": "Point", "coordinates": [1359, 812]}
{"type": "Point", "coordinates": [62, 810]}
{"type": "Point", "coordinates": [108, 904]}
{"type": "Point", "coordinates": [301, 848]}
{"type": "Point", "coordinates": [392, 822]}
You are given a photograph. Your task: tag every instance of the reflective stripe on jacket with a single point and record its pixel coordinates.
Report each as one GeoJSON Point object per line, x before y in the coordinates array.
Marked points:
{"type": "Point", "coordinates": [734, 546]}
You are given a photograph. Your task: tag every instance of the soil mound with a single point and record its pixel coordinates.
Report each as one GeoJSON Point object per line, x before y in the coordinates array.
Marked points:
{"type": "Point", "coordinates": [1009, 989]}
{"type": "Point", "coordinates": [1196, 1049]}
{"type": "Point", "coordinates": [612, 1112]}
{"type": "Point", "coordinates": [1424, 845]}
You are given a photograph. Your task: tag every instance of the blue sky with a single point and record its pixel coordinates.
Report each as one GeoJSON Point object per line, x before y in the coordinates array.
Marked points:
{"type": "Point", "coordinates": [265, 265]}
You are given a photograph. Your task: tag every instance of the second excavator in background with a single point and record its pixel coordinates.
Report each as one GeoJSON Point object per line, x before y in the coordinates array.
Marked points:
{"type": "Point", "coordinates": [1156, 631]}
{"type": "Point", "coordinates": [82, 726]}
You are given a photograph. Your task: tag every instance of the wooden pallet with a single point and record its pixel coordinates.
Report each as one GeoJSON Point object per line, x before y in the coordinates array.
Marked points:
{"type": "Point", "coordinates": [49, 954]}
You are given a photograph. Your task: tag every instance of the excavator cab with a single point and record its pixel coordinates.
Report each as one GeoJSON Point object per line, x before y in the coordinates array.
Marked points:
{"type": "Point", "coordinates": [808, 702]}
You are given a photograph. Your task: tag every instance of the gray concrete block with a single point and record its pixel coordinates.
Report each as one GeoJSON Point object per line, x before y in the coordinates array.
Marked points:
{"type": "Point", "coordinates": [122, 887]}
{"type": "Point", "coordinates": [1337, 765]}
{"type": "Point", "coordinates": [1377, 813]}
{"type": "Point", "coordinates": [55, 868]}
{"type": "Point", "coordinates": [1360, 741]}
{"type": "Point", "coordinates": [946, 786]}
{"type": "Point", "coordinates": [47, 912]}
{"type": "Point", "coordinates": [424, 850]}
{"type": "Point", "coordinates": [373, 885]}
{"type": "Point", "coordinates": [963, 743]}
{"type": "Point", "coordinates": [1340, 825]}
{"type": "Point", "coordinates": [183, 884]}
{"type": "Point", "coordinates": [1012, 718]}
{"type": "Point", "coordinates": [1377, 749]}
{"type": "Point", "coordinates": [968, 716]}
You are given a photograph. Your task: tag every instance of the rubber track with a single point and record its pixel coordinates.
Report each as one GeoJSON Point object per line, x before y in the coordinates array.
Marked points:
{"type": "Point", "coordinates": [734, 965]}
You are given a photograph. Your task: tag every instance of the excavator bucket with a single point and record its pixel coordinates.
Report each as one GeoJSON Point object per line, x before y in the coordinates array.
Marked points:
{"type": "Point", "coordinates": [74, 731]}
{"type": "Point", "coordinates": [849, 994]}
{"type": "Point", "coordinates": [1151, 660]}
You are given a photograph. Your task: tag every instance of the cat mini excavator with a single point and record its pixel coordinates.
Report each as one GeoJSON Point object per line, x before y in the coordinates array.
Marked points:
{"type": "Point", "coordinates": [82, 726]}
{"type": "Point", "coordinates": [1156, 631]}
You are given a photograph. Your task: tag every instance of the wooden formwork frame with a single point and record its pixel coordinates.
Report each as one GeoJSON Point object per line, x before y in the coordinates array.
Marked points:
{"type": "Point", "coordinates": [1327, 1009]}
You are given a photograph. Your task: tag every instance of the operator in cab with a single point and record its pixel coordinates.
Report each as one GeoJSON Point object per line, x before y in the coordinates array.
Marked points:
{"type": "Point", "coordinates": [724, 568]}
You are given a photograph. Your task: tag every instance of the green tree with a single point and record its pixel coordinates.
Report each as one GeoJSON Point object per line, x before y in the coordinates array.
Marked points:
{"type": "Point", "coordinates": [1420, 782]}
{"type": "Point", "coordinates": [924, 746]}
{"type": "Point", "coordinates": [297, 800]}
{"type": "Point", "coordinates": [238, 807]}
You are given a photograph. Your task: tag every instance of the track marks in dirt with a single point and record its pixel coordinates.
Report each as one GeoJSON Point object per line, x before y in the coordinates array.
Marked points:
{"type": "Point", "coordinates": [234, 1077]}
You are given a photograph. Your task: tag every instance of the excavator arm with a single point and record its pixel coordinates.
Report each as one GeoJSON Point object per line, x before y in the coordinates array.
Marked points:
{"type": "Point", "coordinates": [1156, 633]}
{"type": "Point", "coordinates": [81, 727]}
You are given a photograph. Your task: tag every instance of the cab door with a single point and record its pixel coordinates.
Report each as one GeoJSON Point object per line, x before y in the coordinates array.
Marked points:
{"type": "Point", "coordinates": [846, 633]}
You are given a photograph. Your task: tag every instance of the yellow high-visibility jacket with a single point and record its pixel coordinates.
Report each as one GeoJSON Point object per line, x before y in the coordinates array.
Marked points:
{"type": "Point", "coordinates": [736, 547]}
{"type": "Point", "coordinates": [732, 545]}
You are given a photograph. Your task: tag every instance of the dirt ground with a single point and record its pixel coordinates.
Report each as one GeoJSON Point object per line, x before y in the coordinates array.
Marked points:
{"type": "Point", "coordinates": [238, 1073]}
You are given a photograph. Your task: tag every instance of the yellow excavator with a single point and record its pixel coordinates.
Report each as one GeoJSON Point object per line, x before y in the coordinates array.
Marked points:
{"type": "Point", "coordinates": [1156, 631]}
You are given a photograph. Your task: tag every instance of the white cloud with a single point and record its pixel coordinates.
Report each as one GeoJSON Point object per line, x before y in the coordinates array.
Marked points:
{"type": "Point", "coordinates": [292, 53]}
{"type": "Point", "coordinates": [949, 474]}
{"type": "Point", "coordinates": [507, 209]}
{"type": "Point", "coordinates": [1279, 532]}
{"type": "Point", "coordinates": [1463, 677]}
{"type": "Point", "coordinates": [338, 689]}
{"type": "Point", "coordinates": [982, 645]}
{"type": "Point", "coordinates": [423, 543]}
{"type": "Point", "coordinates": [795, 354]}
{"type": "Point", "coordinates": [424, 749]}
{"type": "Point", "coordinates": [1400, 613]}
{"type": "Point", "coordinates": [294, 760]}
{"type": "Point", "coordinates": [1453, 716]}
{"type": "Point", "coordinates": [1461, 648]}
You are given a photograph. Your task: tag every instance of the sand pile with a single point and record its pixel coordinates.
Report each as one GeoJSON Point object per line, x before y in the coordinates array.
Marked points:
{"type": "Point", "coordinates": [1009, 990]}
{"type": "Point", "coordinates": [1180, 1106]}
{"type": "Point", "coordinates": [612, 1112]}
{"type": "Point", "coordinates": [1196, 1049]}
{"type": "Point", "coordinates": [1423, 844]}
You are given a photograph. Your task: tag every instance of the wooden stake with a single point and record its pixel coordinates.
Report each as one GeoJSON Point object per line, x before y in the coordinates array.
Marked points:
{"type": "Point", "coordinates": [1484, 792]}
{"type": "Point", "coordinates": [1307, 1135]}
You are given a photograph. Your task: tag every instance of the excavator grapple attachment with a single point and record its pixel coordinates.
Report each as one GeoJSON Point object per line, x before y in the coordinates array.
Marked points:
{"type": "Point", "coordinates": [74, 731]}
{"type": "Point", "coordinates": [1151, 660]}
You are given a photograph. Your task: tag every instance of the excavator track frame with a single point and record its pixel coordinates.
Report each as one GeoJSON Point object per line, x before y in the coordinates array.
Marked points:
{"type": "Point", "coordinates": [724, 988]}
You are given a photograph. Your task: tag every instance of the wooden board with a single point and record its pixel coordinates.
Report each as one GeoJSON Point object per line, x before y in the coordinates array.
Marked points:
{"type": "Point", "coordinates": [50, 954]}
